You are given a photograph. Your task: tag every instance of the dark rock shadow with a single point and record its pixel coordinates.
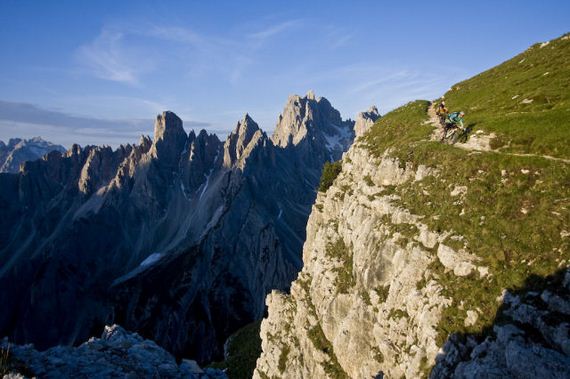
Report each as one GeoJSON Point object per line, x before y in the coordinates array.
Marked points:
{"type": "Point", "coordinates": [528, 338]}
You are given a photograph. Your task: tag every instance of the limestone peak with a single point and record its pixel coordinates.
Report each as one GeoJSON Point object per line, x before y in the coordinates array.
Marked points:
{"type": "Point", "coordinates": [238, 141]}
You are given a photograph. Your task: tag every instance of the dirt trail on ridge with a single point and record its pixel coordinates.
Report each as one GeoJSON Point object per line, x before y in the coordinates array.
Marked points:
{"type": "Point", "coordinates": [478, 141]}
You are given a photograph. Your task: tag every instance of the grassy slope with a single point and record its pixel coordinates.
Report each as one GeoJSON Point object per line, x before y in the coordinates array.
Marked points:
{"type": "Point", "coordinates": [493, 100]}
{"type": "Point", "coordinates": [516, 208]}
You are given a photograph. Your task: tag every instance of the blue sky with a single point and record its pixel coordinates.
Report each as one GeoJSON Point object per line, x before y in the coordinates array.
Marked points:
{"type": "Point", "coordinates": [98, 72]}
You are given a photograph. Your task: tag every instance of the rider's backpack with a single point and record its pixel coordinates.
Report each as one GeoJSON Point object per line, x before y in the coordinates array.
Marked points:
{"type": "Point", "coordinates": [452, 117]}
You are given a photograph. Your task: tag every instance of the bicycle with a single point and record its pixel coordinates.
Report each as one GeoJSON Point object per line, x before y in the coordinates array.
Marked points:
{"type": "Point", "coordinates": [456, 134]}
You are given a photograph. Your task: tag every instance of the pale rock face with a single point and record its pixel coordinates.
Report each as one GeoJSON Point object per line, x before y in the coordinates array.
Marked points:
{"type": "Point", "coordinates": [460, 262]}
{"type": "Point", "coordinates": [365, 120]}
{"type": "Point", "coordinates": [367, 322]}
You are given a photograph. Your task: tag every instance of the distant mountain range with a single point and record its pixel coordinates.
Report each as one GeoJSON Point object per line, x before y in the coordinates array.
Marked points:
{"type": "Point", "coordinates": [17, 151]}
{"type": "Point", "coordinates": [179, 237]}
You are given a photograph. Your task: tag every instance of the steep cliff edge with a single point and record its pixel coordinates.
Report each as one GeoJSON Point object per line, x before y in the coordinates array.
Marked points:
{"type": "Point", "coordinates": [420, 253]}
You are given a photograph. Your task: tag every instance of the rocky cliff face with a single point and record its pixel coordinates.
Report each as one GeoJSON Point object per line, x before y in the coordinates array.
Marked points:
{"type": "Point", "coordinates": [179, 237]}
{"type": "Point", "coordinates": [18, 151]}
{"type": "Point", "coordinates": [370, 299]}
{"type": "Point", "coordinates": [529, 341]}
{"type": "Point", "coordinates": [355, 306]}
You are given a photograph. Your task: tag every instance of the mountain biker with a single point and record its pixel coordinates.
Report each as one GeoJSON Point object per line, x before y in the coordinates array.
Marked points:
{"type": "Point", "coordinates": [441, 112]}
{"type": "Point", "coordinates": [453, 121]}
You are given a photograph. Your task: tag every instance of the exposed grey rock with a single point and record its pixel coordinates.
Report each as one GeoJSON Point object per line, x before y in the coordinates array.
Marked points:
{"type": "Point", "coordinates": [311, 123]}
{"type": "Point", "coordinates": [460, 262]}
{"type": "Point", "coordinates": [18, 151]}
{"type": "Point", "coordinates": [241, 142]}
{"type": "Point", "coordinates": [169, 139]}
{"type": "Point", "coordinates": [532, 341]}
{"type": "Point", "coordinates": [367, 301]}
{"type": "Point", "coordinates": [117, 354]}
{"type": "Point", "coordinates": [365, 120]}
{"type": "Point", "coordinates": [360, 327]}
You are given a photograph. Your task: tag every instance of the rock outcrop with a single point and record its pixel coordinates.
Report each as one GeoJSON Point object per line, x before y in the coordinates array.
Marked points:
{"type": "Point", "coordinates": [365, 120]}
{"type": "Point", "coordinates": [117, 354]}
{"type": "Point", "coordinates": [370, 301]}
{"type": "Point", "coordinates": [312, 125]}
{"type": "Point", "coordinates": [529, 340]}
{"type": "Point", "coordinates": [355, 306]}
{"type": "Point", "coordinates": [241, 142]}
{"type": "Point", "coordinates": [18, 151]}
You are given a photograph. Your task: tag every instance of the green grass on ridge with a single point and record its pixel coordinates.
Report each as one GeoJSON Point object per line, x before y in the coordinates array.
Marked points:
{"type": "Point", "coordinates": [525, 100]}
{"type": "Point", "coordinates": [515, 215]}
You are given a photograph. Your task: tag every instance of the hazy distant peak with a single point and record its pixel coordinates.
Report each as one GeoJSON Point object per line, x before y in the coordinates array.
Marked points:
{"type": "Point", "coordinates": [19, 150]}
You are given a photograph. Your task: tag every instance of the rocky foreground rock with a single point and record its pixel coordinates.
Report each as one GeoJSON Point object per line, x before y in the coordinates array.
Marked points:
{"type": "Point", "coordinates": [530, 340]}
{"type": "Point", "coordinates": [117, 354]}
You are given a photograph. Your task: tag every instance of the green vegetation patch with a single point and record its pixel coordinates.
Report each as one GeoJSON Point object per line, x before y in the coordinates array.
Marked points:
{"type": "Point", "coordinates": [344, 279]}
{"type": "Point", "coordinates": [320, 341]}
{"type": "Point", "coordinates": [398, 128]}
{"type": "Point", "coordinates": [368, 180]}
{"type": "Point", "coordinates": [244, 349]}
{"type": "Point", "coordinates": [330, 172]}
{"type": "Point", "coordinates": [282, 365]}
{"type": "Point", "coordinates": [365, 297]}
{"type": "Point", "coordinates": [397, 314]}
{"type": "Point", "coordinates": [524, 100]}
{"type": "Point", "coordinates": [382, 292]}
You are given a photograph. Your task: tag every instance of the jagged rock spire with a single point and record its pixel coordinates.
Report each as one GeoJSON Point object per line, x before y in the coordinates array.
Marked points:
{"type": "Point", "coordinates": [169, 138]}
{"type": "Point", "coordinates": [239, 143]}
{"type": "Point", "coordinates": [315, 120]}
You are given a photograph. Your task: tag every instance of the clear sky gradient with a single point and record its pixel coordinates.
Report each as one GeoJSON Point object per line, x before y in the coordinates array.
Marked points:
{"type": "Point", "coordinates": [98, 72]}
